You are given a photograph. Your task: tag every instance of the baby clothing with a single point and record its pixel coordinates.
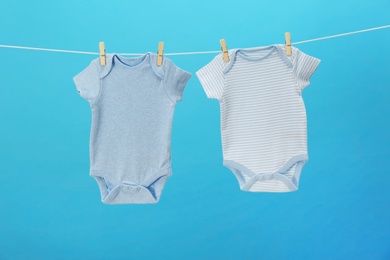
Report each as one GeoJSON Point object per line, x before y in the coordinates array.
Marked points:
{"type": "Point", "coordinates": [263, 117]}
{"type": "Point", "coordinates": [132, 102]}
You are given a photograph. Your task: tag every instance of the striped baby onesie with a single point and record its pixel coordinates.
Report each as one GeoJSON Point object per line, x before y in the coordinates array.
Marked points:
{"type": "Point", "coordinates": [263, 117]}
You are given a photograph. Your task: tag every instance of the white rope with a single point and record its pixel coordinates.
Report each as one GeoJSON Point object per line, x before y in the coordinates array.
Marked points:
{"type": "Point", "coordinates": [342, 34]}
{"type": "Point", "coordinates": [46, 49]}
{"type": "Point", "coordinates": [187, 53]}
{"type": "Point", "coordinates": [191, 53]}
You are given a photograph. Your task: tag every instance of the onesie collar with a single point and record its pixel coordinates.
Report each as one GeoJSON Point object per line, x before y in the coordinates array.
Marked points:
{"type": "Point", "coordinates": [112, 58]}
{"type": "Point", "coordinates": [245, 51]}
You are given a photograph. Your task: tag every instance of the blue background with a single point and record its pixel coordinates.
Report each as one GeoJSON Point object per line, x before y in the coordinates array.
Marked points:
{"type": "Point", "coordinates": [50, 208]}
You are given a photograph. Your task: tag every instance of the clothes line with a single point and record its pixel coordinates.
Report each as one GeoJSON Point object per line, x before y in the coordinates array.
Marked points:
{"type": "Point", "coordinates": [188, 53]}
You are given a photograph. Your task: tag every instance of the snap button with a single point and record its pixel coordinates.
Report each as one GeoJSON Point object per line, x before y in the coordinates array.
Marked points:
{"type": "Point", "coordinates": [138, 188]}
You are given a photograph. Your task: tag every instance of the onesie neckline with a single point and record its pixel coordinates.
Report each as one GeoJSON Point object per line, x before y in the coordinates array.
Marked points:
{"type": "Point", "coordinates": [240, 52]}
{"type": "Point", "coordinates": [132, 63]}
{"type": "Point", "coordinates": [243, 53]}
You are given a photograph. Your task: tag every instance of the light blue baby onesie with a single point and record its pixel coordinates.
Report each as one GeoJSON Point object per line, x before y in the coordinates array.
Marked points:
{"type": "Point", "coordinates": [132, 102]}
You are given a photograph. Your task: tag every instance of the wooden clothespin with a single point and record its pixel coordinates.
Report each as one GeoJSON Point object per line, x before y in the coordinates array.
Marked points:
{"type": "Point", "coordinates": [160, 53]}
{"type": "Point", "coordinates": [224, 50]}
{"type": "Point", "coordinates": [288, 43]}
{"type": "Point", "coordinates": [102, 51]}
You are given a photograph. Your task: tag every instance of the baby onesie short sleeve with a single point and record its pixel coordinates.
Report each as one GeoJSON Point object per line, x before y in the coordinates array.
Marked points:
{"type": "Point", "coordinates": [175, 80]}
{"type": "Point", "coordinates": [88, 82]}
{"type": "Point", "coordinates": [132, 106]}
{"type": "Point", "coordinates": [304, 67]}
{"type": "Point", "coordinates": [211, 77]}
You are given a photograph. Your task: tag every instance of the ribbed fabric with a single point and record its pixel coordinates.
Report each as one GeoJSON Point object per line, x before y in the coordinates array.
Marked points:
{"type": "Point", "coordinates": [263, 117]}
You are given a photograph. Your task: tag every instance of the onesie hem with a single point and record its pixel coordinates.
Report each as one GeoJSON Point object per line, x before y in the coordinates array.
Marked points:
{"type": "Point", "coordinates": [149, 191]}
{"type": "Point", "coordinates": [245, 185]}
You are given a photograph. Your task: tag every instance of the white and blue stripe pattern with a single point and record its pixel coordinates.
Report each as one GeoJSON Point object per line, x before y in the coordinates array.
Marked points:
{"type": "Point", "coordinates": [263, 117]}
